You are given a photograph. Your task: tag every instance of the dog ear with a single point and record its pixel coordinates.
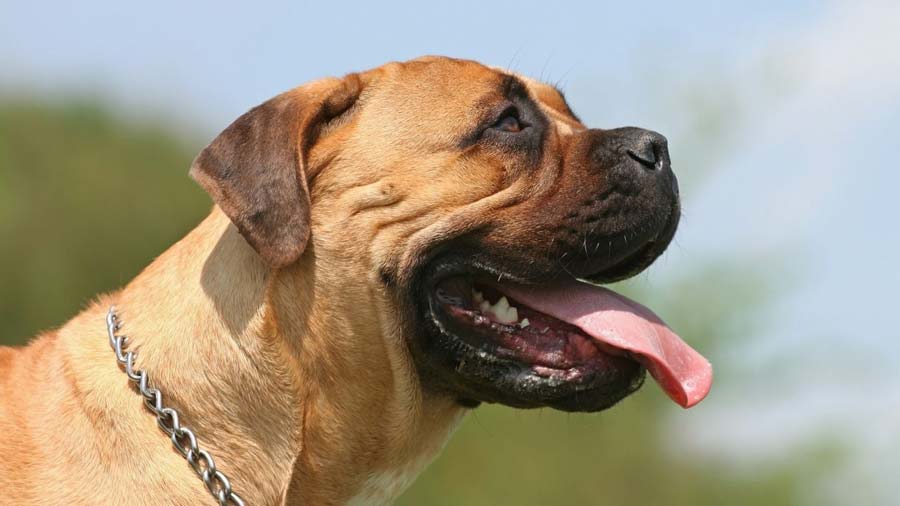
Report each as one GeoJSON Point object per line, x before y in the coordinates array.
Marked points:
{"type": "Point", "coordinates": [255, 169]}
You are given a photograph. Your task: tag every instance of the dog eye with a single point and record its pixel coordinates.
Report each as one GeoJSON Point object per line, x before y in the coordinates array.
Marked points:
{"type": "Point", "coordinates": [509, 121]}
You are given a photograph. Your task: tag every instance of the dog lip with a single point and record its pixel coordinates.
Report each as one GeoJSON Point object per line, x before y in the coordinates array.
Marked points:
{"type": "Point", "coordinates": [627, 267]}
{"type": "Point", "coordinates": [447, 267]}
{"type": "Point", "coordinates": [610, 377]}
{"type": "Point", "coordinates": [639, 259]}
{"type": "Point", "coordinates": [473, 267]}
{"type": "Point", "coordinates": [469, 367]}
{"type": "Point", "coordinates": [470, 261]}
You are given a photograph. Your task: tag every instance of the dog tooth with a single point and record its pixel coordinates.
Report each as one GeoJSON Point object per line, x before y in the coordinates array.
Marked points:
{"type": "Point", "coordinates": [485, 306]}
{"type": "Point", "coordinates": [524, 323]}
{"type": "Point", "coordinates": [478, 296]}
{"type": "Point", "coordinates": [509, 315]}
{"type": "Point", "coordinates": [502, 318]}
{"type": "Point", "coordinates": [501, 308]}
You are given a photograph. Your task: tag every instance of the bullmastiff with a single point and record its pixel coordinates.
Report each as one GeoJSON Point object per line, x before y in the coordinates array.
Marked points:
{"type": "Point", "coordinates": [387, 251]}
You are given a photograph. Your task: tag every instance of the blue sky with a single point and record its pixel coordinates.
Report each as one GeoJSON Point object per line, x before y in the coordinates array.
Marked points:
{"type": "Point", "coordinates": [801, 168]}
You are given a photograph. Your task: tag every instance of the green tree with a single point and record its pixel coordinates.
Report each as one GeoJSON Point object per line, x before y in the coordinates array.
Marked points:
{"type": "Point", "coordinates": [86, 201]}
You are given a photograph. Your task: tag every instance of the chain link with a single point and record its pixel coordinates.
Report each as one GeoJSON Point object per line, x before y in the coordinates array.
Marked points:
{"type": "Point", "coordinates": [183, 439]}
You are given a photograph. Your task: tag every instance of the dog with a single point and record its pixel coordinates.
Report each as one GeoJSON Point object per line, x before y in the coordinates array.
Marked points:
{"type": "Point", "coordinates": [386, 251]}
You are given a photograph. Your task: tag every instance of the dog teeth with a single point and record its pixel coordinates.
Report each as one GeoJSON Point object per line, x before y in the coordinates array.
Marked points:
{"type": "Point", "coordinates": [501, 311]}
{"type": "Point", "coordinates": [504, 313]}
{"type": "Point", "coordinates": [524, 323]}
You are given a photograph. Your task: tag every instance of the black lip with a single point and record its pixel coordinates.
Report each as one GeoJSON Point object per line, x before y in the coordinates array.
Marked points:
{"type": "Point", "coordinates": [645, 255]}
{"type": "Point", "coordinates": [476, 374]}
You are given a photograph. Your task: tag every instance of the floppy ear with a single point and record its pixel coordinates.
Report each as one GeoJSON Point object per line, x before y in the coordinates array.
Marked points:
{"type": "Point", "coordinates": [255, 169]}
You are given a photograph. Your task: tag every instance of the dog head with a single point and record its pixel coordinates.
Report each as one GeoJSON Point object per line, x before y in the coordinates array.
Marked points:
{"type": "Point", "coordinates": [425, 191]}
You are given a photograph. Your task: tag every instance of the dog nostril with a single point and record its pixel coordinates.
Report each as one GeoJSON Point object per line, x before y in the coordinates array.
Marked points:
{"type": "Point", "coordinates": [650, 150]}
{"type": "Point", "coordinates": [647, 159]}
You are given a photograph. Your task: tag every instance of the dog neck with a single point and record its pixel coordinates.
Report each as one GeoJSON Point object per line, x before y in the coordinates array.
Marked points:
{"type": "Point", "coordinates": [290, 378]}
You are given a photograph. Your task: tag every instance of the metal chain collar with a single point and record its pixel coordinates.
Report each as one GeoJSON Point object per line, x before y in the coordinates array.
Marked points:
{"type": "Point", "coordinates": [182, 437]}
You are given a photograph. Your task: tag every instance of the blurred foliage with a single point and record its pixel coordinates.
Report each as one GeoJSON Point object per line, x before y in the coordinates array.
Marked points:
{"type": "Point", "coordinates": [86, 200]}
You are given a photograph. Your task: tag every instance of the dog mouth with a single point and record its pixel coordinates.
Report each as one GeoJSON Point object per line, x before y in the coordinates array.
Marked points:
{"type": "Point", "coordinates": [512, 330]}
{"type": "Point", "coordinates": [513, 327]}
{"type": "Point", "coordinates": [566, 343]}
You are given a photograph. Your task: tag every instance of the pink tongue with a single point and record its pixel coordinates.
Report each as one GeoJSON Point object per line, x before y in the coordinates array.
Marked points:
{"type": "Point", "coordinates": [626, 325]}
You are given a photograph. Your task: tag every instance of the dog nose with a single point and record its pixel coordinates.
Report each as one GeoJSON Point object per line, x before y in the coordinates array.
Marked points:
{"type": "Point", "coordinates": [633, 154]}
{"type": "Point", "coordinates": [647, 148]}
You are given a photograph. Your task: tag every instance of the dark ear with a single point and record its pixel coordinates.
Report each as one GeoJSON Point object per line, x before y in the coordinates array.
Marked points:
{"type": "Point", "coordinates": [255, 169]}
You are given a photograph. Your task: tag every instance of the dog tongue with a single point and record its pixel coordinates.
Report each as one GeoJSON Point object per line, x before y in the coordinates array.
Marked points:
{"type": "Point", "coordinates": [624, 324]}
